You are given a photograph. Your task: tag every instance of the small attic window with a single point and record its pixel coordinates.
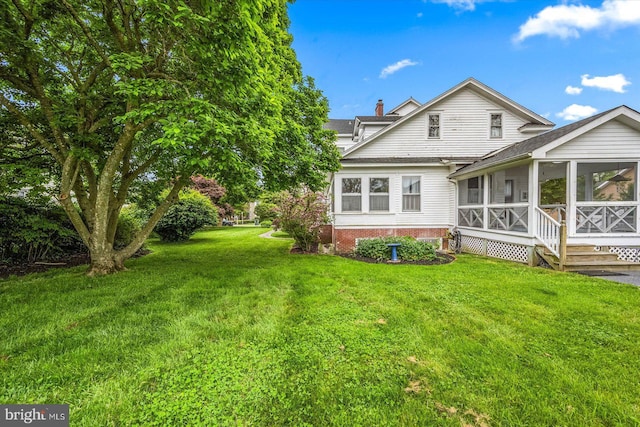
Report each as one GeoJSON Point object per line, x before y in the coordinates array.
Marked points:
{"type": "Point", "coordinates": [496, 126]}
{"type": "Point", "coordinates": [434, 125]}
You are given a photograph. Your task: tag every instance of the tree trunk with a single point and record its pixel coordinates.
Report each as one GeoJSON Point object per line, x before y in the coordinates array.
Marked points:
{"type": "Point", "coordinates": [104, 262]}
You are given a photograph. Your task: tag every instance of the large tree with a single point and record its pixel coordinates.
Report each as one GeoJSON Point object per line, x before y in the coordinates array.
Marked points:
{"type": "Point", "coordinates": [116, 91]}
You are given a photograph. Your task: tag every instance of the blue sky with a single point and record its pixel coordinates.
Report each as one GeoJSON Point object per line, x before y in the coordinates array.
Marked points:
{"type": "Point", "coordinates": [564, 60]}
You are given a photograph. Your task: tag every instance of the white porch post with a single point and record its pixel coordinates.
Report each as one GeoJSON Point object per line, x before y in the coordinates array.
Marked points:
{"type": "Point", "coordinates": [533, 196]}
{"type": "Point", "coordinates": [572, 196]}
{"type": "Point", "coordinates": [637, 188]}
{"type": "Point", "coordinates": [485, 201]}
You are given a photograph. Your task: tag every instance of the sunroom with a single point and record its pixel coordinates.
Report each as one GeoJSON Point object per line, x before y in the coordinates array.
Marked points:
{"type": "Point", "coordinates": [573, 188]}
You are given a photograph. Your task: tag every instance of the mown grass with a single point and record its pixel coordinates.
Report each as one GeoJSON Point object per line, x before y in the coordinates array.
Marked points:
{"type": "Point", "coordinates": [230, 329]}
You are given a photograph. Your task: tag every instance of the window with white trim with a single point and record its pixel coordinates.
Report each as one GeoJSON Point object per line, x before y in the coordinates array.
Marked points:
{"type": "Point", "coordinates": [496, 126]}
{"type": "Point", "coordinates": [379, 194]}
{"type": "Point", "coordinates": [410, 194]}
{"type": "Point", "coordinates": [351, 195]}
{"type": "Point", "coordinates": [434, 126]}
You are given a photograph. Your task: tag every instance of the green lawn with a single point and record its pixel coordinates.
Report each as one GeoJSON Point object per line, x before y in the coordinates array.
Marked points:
{"type": "Point", "coordinates": [229, 329]}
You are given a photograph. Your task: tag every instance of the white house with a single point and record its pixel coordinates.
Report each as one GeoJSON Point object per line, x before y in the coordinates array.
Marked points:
{"type": "Point", "coordinates": [474, 159]}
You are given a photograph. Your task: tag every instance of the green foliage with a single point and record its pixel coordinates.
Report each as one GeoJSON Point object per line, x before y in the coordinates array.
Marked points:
{"type": "Point", "coordinates": [192, 212]}
{"type": "Point", "coordinates": [309, 150]}
{"type": "Point", "coordinates": [105, 99]}
{"type": "Point", "coordinates": [129, 224]}
{"type": "Point", "coordinates": [266, 211]}
{"type": "Point", "coordinates": [35, 232]}
{"type": "Point", "coordinates": [266, 223]}
{"type": "Point", "coordinates": [410, 249]}
{"type": "Point", "coordinates": [302, 214]}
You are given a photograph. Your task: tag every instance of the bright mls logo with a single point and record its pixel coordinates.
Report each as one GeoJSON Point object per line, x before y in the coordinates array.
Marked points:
{"type": "Point", "coordinates": [37, 415]}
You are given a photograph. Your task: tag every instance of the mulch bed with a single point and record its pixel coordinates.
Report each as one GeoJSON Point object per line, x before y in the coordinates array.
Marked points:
{"type": "Point", "coordinates": [74, 260]}
{"type": "Point", "coordinates": [442, 258]}
{"type": "Point", "coordinates": [7, 270]}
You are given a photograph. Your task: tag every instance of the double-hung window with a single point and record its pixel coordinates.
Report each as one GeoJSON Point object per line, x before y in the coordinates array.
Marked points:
{"type": "Point", "coordinates": [351, 195]}
{"type": "Point", "coordinates": [379, 194]}
{"type": "Point", "coordinates": [411, 194]}
{"type": "Point", "coordinates": [496, 126]}
{"type": "Point", "coordinates": [434, 126]}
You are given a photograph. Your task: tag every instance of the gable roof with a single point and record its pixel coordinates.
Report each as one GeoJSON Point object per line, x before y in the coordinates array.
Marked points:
{"type": "Point", "coordinates": [546, 141]}
{"type": "Point", "coordinates": [411, 100]}
{"type": "Point", "coordinates": [470, 83]}
{"type": "Point", "coordinates": [342, 126]}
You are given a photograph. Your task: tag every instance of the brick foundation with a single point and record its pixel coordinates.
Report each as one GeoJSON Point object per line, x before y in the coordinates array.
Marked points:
{"type": "Point", "coordinates": [345, 239]}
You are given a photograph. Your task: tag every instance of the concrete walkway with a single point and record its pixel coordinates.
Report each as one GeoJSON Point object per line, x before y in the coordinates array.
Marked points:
{"type": "Point", "coordinates": [267, 235]}
{"type": "Point", "coordinates": [629, 277]}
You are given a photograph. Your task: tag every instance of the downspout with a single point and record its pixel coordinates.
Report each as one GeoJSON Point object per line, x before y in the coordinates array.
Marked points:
{"type": "Point", "coordinates": [332, 216]}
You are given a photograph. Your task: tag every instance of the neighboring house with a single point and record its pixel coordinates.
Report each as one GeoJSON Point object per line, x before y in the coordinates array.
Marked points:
{"type": "Point", "coordinates": [474, 159]}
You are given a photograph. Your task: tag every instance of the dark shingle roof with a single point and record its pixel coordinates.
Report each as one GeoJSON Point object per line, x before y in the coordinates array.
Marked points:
{"type": "Point", "coordinates": [341, 126]}
{"type": "Point", "coordinates": [383, 119]}
{"type": "Point", "coordinates": [522, 148]}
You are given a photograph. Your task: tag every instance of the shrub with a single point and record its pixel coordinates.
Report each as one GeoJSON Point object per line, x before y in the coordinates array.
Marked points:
{"type": "Point", "coordinates": [266, 211]}
{"type": "Point", "coordinates": [129, 224]}
{"type": "Point", "coordinates": [33, 231]}
{"type": "Point", "coordinates": [192, 212]}
{"type": "Point", "coordinates": [266, 224]}
{"type": "Point", "coordinates": [410, 249]}
{"type": "Point", "coordinates": [301, 215]}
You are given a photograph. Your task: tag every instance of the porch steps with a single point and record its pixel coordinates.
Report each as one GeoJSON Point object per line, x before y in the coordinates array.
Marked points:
{"type": "Point", "coordinates": [586, 258]}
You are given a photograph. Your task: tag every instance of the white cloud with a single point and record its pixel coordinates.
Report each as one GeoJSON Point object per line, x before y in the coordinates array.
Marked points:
{"type": "Point", "coordinates": [615, 83]}
{"type": "Point", "coordinates": [463, 5]}
{"type": "Point", "coordinates": [576, 112]}
{"type": "Point", "coordinates": [568, 20]}
{"type": "Point", "coordinates": [420, 14]}
{"type": "Point", "coordinates": [571, 90]}
{"type": "Point", "coordinates": [393, 68]}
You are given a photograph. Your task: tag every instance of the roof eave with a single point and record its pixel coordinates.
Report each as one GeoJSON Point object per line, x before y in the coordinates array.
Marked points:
{"type": "Point", "coordinates": [471, 171]}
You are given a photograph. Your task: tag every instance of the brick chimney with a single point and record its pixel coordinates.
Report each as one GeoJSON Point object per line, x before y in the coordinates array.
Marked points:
{"type": "Point", "coordinates": [380, 108]}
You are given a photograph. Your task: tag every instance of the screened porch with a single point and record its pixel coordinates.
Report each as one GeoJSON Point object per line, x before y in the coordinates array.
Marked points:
{"type": "Point", "coordinates": [594, 198]}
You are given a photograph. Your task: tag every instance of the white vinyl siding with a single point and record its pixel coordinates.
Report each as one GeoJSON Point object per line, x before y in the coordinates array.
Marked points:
{"type": "Point", "coordinates": [464, 131]}
{"type": "Point", "coordinates": [612, 140]}
{"type": "Point", "coordinates": [436, 200]}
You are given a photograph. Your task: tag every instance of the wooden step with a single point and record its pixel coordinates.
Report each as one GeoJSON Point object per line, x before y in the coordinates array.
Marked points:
{"type": "Point", "coordinates": [601, 265]}
{"type": "Point", "coordinates": [585, 258]}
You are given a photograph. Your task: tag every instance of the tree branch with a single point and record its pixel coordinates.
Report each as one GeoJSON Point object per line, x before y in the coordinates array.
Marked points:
{"type": "Point", "coordinates": [70, 171]}
{"type": "Point", "coordinates": [86, 31]}
{"type": "Point", "coordinates": [137, 242]}
{"type": "Point", "coordinates": [28, 19]}
{"type": "Point", "coordinates": [17, 82]}
{"type": "Point", "coordinates": [107, 11]}
{"type": "Point", "coordinates": [24, 121]}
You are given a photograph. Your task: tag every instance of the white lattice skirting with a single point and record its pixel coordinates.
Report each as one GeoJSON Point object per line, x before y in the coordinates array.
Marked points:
{"type": "Point", "coordinates": [473, 245]}
{"type": "Point", "coordinates": [495, 249]}
{"type": "Point", "coordinates": [507, 251]}
{"type": "Point", "coordinates": [626, 253]}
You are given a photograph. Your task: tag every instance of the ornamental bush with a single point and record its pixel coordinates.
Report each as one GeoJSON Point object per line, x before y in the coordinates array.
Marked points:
{"type": "Point", "coordinates": [301, 215]}
{"type": "Point", "coordinates": [35, 231]}
{"type": "Point", "coordinates": [130, 222]}
{"type": "Point", "coordinates": [410, 249]}
{"type": "Point", "coordinates": [192, 212]}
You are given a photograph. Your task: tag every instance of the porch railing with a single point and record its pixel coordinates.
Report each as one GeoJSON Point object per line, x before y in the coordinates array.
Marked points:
{"type": "Point", "coordinates": [548, 231]}
{"type": "Point", "coordinates": [606, 219]}
{"type": "Point", "coordinates": [509, 218]}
